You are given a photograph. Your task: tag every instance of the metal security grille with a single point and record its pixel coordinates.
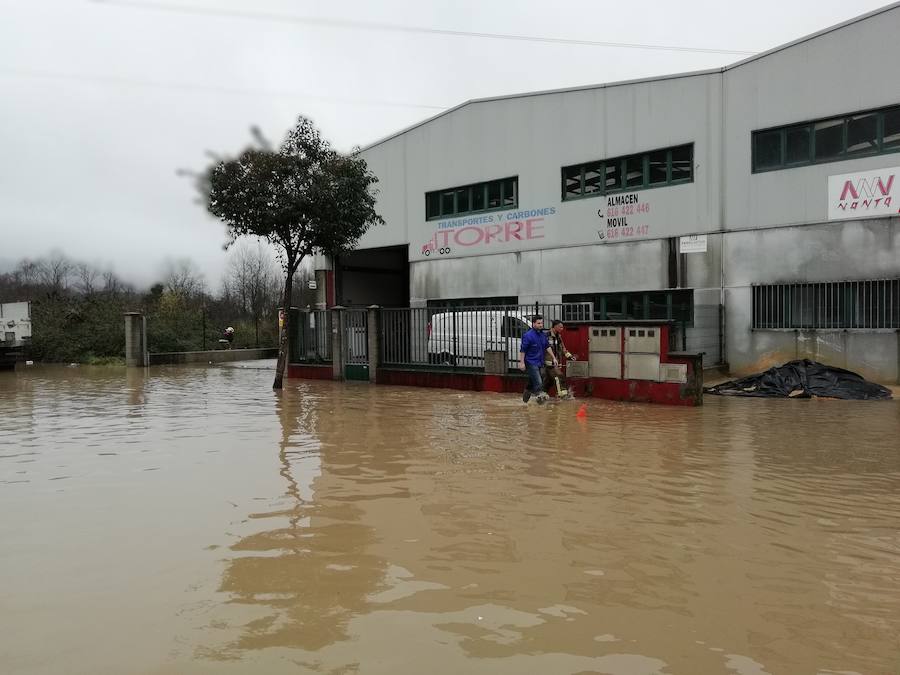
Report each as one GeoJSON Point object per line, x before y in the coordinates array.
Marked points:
{"type": "Point", "coordinates": [872, 304]}
{"type": "Point", "coordinates": [356, 336]}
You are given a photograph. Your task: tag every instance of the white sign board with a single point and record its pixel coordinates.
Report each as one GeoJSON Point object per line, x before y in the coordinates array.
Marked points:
{"type": "Point", "coordinates": [606, 219]}
{"type": "Point", "coordinates": [864, 194]}
{"type": "Point", "coordinates": [311, 284]}
{"type": "Point", "coordinates": [694, 243]}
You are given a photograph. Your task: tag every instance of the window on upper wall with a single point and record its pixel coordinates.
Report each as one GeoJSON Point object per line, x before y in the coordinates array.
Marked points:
{"type": "Point", "coordinates": [828, 137]}
{"type": "Point", "coordinates": [798, 145]}
{"type": "Point", "coordinates": [768, 149]}
{"type": "Point", "coordinates": [890, 138]}
{"type": "Point", "coordinates": [486, 196]}
{"type": "Point", "coordinates": [860, 134]}
{"type": "Point", "coordinates": [628, 173]}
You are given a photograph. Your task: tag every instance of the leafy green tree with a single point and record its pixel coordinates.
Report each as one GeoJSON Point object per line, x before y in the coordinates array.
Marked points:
{"type": "Point", "coordinates": [302, 198]}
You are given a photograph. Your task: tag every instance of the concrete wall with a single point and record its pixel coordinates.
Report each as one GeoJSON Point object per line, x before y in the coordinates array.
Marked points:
{"type": "Point", "coordinates": [867, 249]}
{"type": "Point", "coordinates": [549, 273]}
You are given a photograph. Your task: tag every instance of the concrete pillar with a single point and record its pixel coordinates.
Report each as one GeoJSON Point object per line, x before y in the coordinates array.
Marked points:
{"type": "Point", "coordinates": [374, 340]}
{"type": "Point", "coordinates": [496, 362]}
{"type": "Point", "coordinates": [337, 343]}
{"type": "Point", "coordinates": [135, 340]}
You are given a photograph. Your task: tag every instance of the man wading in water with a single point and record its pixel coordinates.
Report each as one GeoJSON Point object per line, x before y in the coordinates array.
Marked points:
{"type": "Point", "coordinates": [531, 359]}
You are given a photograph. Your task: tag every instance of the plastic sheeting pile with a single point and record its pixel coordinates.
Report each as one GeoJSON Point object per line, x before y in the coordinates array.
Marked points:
{"type": "Point", "coordinates": [803, 379]}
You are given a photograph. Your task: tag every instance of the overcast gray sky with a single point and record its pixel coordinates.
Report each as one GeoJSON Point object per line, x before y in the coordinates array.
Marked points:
{"type": "Point", "coordinates": [102, 100]}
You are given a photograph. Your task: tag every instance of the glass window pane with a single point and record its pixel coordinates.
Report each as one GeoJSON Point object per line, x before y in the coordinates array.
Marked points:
{"type": "Point", "coordinates": [510, 198]}
{"type": "Point", "coordinates": [494, 194]}
{"type": "Point", "coordinates": [658, 167]}
{"type": "Point", "coordinates": [433, 205]}
{"type": "Point", "coordinates": [682, 163]}
{"type": "Point", "coordinates": [634, 171]}
{"type": "Point", "coordinates": [767, 150]}
{"type": "Point", "coordinates": [478, 197]}
{"type": "Point", "coordinates": [572, 182]}
{"type": "Point", "coordinates": [462, 200]}
{"type": "Point", "coordinates": [614, 308]}
{"type": "Point", "coordinates": [797, 145]}
{"type": "Point", "coordinates": [682, 304]}
{"type": "Point", "coordinates": [613, 173]}
{"type": "Point", "coordinates": [892, 129]}
{"type": "Point", "coordinates": [862, 134]}
{"type": "Point", "coordinates": [447, 203]}
{"type": "Point", "coordinates": [636, 306]}
{"type": "Point", "coordinates": [659, 305]}
{"type": "Point", "coordinates": [829, 139]}
{"type": "Point", "coordinates": [593, 178]}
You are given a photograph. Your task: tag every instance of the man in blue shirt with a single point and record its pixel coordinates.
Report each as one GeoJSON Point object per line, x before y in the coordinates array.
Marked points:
{"type": "Point", "coordinates": [534, 349]}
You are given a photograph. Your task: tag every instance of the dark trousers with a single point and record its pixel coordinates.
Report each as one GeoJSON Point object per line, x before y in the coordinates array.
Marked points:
{"type": "Point", "coordinates": [550, 374]}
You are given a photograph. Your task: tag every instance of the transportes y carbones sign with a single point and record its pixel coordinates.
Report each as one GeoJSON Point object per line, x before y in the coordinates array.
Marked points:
{"type": "Point", "coordinates": [486, 233]}
{"type": "Point", "coordinates": [865, 194]}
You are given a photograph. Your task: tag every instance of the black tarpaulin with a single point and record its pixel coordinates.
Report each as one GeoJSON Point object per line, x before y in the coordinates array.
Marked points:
{"type": "Point", "coordinates": [803, 379]}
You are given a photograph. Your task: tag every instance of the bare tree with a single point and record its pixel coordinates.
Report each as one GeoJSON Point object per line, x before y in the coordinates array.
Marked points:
{"type": "Point", "coordinates": [183, 278]}
{"type": "Point", "coordinates": [26, 273]}
{"type": "Point", "coordinates": [112, 283]}
{"type": "Point", "coordinates": [55, 272]}
{"type": "Point", "coordinates": [252, 282]}
{"type": "Point", "coordinates": [87, 278]}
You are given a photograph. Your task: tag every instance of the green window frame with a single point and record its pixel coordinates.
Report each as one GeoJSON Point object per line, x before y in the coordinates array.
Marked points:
{"type": "Point", "coordinates": [865, 133]}
{"type": "Point", "coordinates": [671, 304]}
{"type": "Point", "coordinates": [501, 194]}
{"type": "Point", "coordinates": [628, 173]}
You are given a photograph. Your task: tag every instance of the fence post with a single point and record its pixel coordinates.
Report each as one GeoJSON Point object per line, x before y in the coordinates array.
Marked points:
{"type": "Point", "coordinates": [135, 340]}
{"type": "Point", "coordinates": [337, 343]}
{"type": "Point", "coordinates": [373, 338]}
{"type": "Point", "coordinates": [454, 359]}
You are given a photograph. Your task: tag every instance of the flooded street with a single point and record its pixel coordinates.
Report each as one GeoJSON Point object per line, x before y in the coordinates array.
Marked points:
{"type": "Point", "coordinates": [190, 520]}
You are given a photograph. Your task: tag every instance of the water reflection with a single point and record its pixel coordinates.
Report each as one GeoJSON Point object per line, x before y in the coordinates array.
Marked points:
{"type": "Point", "coordinates": [307, 571]}
{"type": "Point", "coordinates": [347, 528]}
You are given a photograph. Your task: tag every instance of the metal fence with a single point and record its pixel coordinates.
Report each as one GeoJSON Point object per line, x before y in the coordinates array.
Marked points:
{"type": "Point", "coordinates": [872, 304]}
{"type": "Point", "coordinates": [313, 336]}
{"type": "Point", "coordinates": [457, 337]}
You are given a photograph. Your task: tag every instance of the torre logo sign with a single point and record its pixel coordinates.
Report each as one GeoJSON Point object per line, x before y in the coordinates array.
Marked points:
{"type": "Point", "coordinates": [866, 194]}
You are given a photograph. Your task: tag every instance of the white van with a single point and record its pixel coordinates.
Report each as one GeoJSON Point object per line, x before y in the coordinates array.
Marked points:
{"type": "Point", "coordinates": [461, 338]}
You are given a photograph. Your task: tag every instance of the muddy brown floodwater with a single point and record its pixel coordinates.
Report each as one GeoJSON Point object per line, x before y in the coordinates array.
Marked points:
{"type": "Point", "coordinates": [190, 520]}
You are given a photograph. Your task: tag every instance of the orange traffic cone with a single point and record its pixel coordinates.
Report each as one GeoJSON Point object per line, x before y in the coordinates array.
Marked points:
{"type": "Point", "coordinates": [582, 412]}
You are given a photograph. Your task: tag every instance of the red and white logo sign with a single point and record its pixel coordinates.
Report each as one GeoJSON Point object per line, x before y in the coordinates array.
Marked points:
{"type": "Point", "coordinates": [866, 194]}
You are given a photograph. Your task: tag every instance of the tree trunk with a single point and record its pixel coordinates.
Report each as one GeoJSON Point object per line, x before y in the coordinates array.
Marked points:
{"type": "Point", "coordinates": [283, 342]}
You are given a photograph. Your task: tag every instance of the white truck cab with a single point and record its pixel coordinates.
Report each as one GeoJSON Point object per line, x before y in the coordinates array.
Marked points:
{"type": "Point", "coordinates": [15, 324]}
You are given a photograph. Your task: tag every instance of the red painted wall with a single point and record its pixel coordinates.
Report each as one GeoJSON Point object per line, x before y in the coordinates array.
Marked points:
{"type": "Point", "coordinates": [306, 372]}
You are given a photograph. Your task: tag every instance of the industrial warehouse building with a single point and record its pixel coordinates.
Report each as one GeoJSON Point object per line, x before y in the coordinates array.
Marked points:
{"type": "Point", "coordinates": [758, 205]}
